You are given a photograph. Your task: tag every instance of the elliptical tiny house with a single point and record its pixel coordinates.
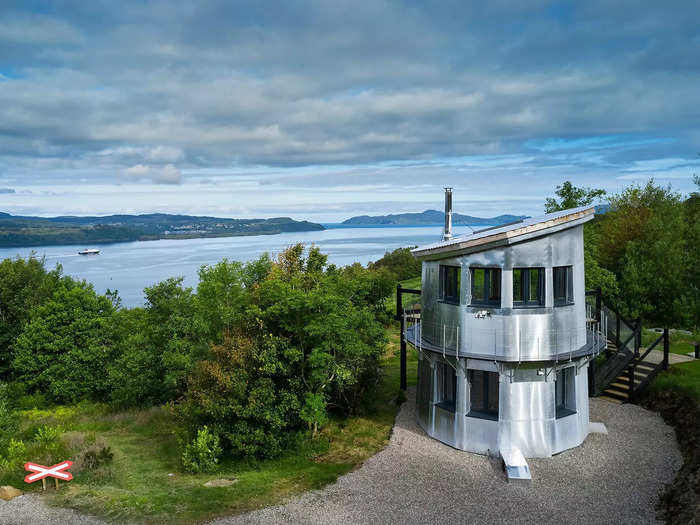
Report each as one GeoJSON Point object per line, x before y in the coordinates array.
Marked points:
{"type": "Point", "coordinates": [504, 338]}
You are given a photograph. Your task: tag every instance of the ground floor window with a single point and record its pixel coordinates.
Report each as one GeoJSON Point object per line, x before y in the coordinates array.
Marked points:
{"type": "Point", "coordinates": [446, 386]}
{"type": "Point", "coordinates": [483, 394]}
{"type": "Point", "coordinates": [566, 392]}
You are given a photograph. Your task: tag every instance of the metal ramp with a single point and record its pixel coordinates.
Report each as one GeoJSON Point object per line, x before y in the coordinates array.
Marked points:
{"type": "Point", "coordinates": [515, 465]}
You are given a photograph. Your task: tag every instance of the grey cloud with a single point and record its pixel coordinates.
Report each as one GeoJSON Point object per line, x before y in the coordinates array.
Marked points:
{"type": "Point", "coordinates": [141, 86]}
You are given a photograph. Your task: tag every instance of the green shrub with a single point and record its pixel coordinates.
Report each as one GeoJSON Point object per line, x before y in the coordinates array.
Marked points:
{"type": "Point", "coordinates": [308, 339]}
{"type": "Point", "coordinates": [314, 411]}
{"type": "Point", "coordinates": [202, 454]}
{"type": "Point", "coordinates": [48, 436]}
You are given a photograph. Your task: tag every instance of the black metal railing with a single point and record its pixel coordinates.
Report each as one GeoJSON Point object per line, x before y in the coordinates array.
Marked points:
{"type": "Point", "coordinates": [401, 316]}
{"type": "Point", "coordinates": [623, 354]}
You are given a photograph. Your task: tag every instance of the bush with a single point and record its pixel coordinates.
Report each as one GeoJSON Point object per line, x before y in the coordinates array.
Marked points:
{"type": "Point", "coordinates": [202, 454]}
{"type": "Point", "coordinates": [48, 436]}
{"type": "Point", "coordinates": [63, 350]}
{"type": "Point", "coordinates": [9, 421]}
{"type": "Point", "coordinates": [308, 340]}
{"type": "Point", "coordinates": [400, 262]}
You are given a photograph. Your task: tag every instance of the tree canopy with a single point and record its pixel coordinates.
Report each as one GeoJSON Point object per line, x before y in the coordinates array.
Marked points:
{"type": "Point", "coordinates": [571, 196]}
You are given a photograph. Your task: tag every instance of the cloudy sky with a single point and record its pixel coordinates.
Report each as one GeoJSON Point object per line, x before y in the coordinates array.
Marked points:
{"type": "Point", "coordinates": [326, 109]}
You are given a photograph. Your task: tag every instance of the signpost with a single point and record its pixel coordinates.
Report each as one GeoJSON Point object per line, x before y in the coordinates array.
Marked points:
{"type": "Point", "coordinates": [57, 471]}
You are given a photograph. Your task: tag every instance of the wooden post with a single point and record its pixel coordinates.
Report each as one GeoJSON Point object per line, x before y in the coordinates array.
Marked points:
{"type": "Point", "coordinates": [43, 484]}
{"type": "Point", "coordinates": [56, 480]}
{"type": "Point", "coordinates": [697, 349]}
{"type": "Point", "coordinates": [667, 348]}
{"type": "Point", "coordinates": [638, 336]}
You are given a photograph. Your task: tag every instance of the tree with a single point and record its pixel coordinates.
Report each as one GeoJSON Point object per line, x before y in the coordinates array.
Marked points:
{"type": "Point", "coordinates": [220, 295]}
{"type": "Point", "coordinates": [571, 196]}
{"type": "Point", "coordinates": [158, 346]}
{"type": "Point", "coordinates": [304, 339]}
{"type": "Point", "coordinates": [400, 262]}
{"type": "Point", "coordinates": [64, 348]}
{"type": "Point", "coordinates": [24, 285]}
{"type": "Point", "coordinates": [643, 241]}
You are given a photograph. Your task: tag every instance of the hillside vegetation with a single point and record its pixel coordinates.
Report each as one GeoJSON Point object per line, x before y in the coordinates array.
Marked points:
{"type": "Point", "coordinates": [36, 231]}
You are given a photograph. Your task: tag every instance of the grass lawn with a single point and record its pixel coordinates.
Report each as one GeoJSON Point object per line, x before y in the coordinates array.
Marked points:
{"type": "Point", "coordinates": [409, 299]}
{"type": "Point", "coordinates": [144, 482]}
{"type": "Point", "coordinates": [680, 343]}
{"type": "Point", "coordinates": [683, 376]}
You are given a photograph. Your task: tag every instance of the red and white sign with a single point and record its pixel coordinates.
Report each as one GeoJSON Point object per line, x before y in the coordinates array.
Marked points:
{"type": "Point", "coordinates": [57, 471]}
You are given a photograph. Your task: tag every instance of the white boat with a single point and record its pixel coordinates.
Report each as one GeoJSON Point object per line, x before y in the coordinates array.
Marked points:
{"type": "Point", "coordinates": [89, 251]}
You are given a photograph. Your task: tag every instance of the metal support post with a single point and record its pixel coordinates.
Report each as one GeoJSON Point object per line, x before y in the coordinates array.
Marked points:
{"type": "Point", "coordinates": [667, 348]}
{"type": "Point", "coordinates": [630, 371]}
{"type": "Point", "coordinates": [403, 352]}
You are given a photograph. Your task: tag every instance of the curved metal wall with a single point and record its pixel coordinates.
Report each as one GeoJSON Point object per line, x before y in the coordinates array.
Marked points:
{"type": "Point", "coordinates": [522, 334]}
{"type": "Point", "coordinates": [527, 417]}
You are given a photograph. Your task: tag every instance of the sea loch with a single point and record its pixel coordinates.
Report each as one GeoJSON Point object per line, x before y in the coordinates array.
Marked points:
{"type": "Point", "coordinates": [130, 267]}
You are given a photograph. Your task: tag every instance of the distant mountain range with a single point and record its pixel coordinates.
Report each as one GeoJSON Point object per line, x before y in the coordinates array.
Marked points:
{"type": "Point", "coordinates": [16, 231]}
{"type": "Point", "coordinates": [432, 217]}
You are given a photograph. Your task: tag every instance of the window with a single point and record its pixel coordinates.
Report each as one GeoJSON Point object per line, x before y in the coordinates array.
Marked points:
{"type": "Point", "coordinates": [565, 392]}
{"type": "Point", "coordinates": [483, 394]}
{"type": "Point", "coordinates": [563, 285]}
{"type": "Point", "coordinates": [486, 287]}
{"type": "Point", "coordinates": [528, 287]}
{"type": "Point", "coordinates": [449, 284]}
{"type": "Point", "coordinates": [447, 387]}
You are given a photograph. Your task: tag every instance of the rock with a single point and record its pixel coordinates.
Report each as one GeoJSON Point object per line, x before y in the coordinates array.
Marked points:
{"type": "Point", "coordinates": [221, 482]}
{"type": "Point", "coordinates": [7, 492]}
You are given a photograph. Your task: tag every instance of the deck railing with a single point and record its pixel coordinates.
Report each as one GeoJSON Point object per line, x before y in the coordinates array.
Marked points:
{"type": "Point", "coordinates": [520, 344]}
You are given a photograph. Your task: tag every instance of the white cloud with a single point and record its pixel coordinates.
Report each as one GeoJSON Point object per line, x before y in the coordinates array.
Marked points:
{"type": "Point", "coordinates": [167, 174]}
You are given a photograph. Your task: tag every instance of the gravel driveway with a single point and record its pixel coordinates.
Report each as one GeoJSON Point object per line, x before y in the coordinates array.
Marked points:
{"type": "Point", "coordinates": [612, 478]}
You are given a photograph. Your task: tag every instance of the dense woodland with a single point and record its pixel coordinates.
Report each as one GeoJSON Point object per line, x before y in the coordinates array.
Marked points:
{"type": "Point", "coordinates": [262, 353]}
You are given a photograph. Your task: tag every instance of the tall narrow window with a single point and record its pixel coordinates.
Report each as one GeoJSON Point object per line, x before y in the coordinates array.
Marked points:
{"type": "Point", "coordinates": [483, 394]}
{"type": "Point", "coordinates": [447, 387]}
{"type": "Point", "coordinates": [563, 285]}
{"type": "Point", "coordinates": [449, 284]}
{"type": "Point", "coordinates": [486, 287]}
{"type": "Point", "coordinates": [565, 392]}
{"type": "Point", "coordinates": [528, 287]}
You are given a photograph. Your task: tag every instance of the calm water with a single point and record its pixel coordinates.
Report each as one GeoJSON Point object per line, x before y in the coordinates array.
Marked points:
{"type": "Point", "coordinates": [132, 266]}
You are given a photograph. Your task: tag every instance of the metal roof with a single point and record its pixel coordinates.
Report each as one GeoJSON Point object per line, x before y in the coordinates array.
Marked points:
{"type": "Point", "coordinates": [506, 234]}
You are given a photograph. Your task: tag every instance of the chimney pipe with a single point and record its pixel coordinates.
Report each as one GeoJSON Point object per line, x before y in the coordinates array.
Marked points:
{"type": "Point", "coordinates": [448, 215]}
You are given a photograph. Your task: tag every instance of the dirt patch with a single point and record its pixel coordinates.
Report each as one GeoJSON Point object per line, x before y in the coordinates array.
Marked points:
{"type": "Point", "coordinates": [679, 502]}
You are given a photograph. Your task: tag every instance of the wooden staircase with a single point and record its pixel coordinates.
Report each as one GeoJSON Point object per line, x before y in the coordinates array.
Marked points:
{"type": "Point", "coordinates": [618, 391]}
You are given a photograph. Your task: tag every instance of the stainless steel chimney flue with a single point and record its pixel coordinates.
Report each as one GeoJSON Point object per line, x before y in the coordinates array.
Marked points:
{"type": "Point", "coordinates": [448, 215]}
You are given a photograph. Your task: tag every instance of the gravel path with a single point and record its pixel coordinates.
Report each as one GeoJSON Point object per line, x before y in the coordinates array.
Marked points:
{"type": "Point", "coordinates": [612, 478]}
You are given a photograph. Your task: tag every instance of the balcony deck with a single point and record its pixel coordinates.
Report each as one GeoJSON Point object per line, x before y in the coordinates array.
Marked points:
{"type": "Point", "coordinates": [595, 343]}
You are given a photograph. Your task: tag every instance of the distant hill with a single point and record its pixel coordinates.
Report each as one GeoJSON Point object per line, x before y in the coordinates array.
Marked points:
{"type": "Point", "coordinates": [16, 231]}
{"type": "Point", "coordinates": [432, 217]}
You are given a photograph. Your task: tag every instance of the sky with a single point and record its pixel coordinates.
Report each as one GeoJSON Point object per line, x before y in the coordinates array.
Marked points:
{"type": "Point", "coordinates": [322, 109]}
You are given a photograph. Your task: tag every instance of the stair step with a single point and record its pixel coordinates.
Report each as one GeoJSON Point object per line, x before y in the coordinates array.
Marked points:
{"type": "Point", "coordinates": [645, 365]}
{"type": "Point", "coordinates": [622, 390]}
{"type": "Point", "coordinates": [618, 396]}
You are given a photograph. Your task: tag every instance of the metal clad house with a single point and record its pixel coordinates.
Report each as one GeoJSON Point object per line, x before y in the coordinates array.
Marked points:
{"type": "Point", "coordinates": [504, 338]}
